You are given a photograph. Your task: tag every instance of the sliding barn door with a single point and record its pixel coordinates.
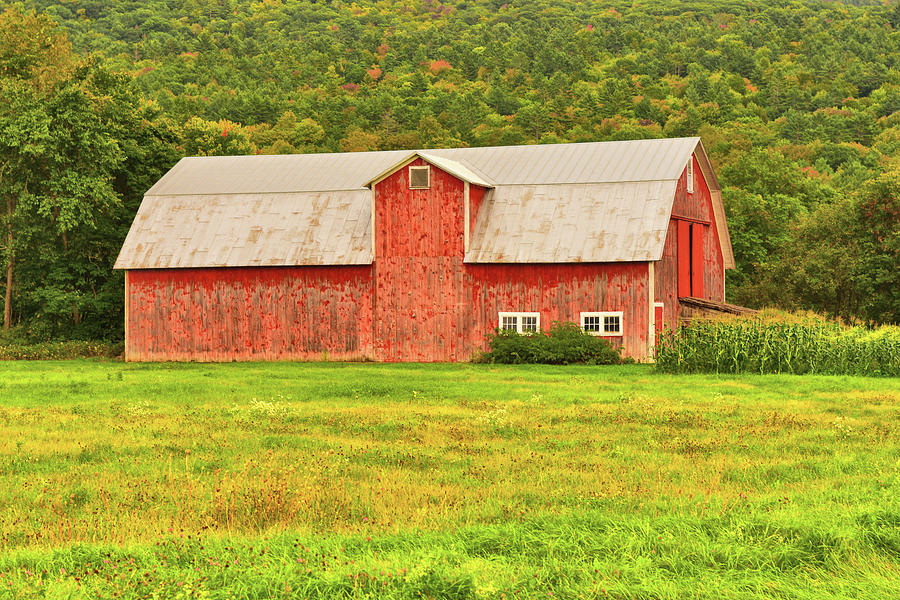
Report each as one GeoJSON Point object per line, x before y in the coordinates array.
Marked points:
{"type": "Point", "coordinates": [690, 258]}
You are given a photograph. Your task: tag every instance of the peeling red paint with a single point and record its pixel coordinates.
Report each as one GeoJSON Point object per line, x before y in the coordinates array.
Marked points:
{"type": "Point", "coordinates": [249, 313]}
{"type": "Point", "coordinates": [431, 306]}
{"type": "Point", "coordinates": [476, 196]}
{"type": "Point", "coordinates": [418, 301]}
{"type": "Point", "coordinates": [560, 292]}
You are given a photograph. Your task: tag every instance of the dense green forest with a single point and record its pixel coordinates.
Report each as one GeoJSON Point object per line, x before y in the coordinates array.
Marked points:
{"type": "Point", "coordinates": [798, 104]}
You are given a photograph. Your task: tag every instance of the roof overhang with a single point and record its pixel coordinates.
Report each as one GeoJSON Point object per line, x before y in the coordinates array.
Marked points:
{"type": "Point", "coordinates": [715, 192]}
{"type": "Point", "coordinates": [453, 167]}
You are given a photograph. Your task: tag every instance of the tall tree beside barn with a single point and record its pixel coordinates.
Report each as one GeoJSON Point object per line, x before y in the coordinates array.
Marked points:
{"type": "Point", "coordinates": [73, 138]}
{"type": "Point", "coordinates": [34, 56]}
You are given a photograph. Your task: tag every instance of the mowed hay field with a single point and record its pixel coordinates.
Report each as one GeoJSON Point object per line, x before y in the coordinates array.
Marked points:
{"type": "Point", "coordinates": [444, 481]}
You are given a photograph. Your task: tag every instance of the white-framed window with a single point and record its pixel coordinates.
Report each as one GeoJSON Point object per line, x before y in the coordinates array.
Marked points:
{"type": "Point", "coordinates": [690, 175]}
{"type": "Point", "coordinates": [522, 322]}
{"type": "Point", "coordinates": [420, 178]}
{"type": "Point", "coordinates": [607, 323]}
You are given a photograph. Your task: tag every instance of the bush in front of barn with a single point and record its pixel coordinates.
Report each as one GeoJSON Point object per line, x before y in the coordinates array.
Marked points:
{"type": "Point", "coordinates": [34, 343]}
{"type": "Point", "coordinates": [60, 350]}
{"type": "Point", "coordinates": [798, 346]}
{"type": "Point", "coordinates": [563, 344]}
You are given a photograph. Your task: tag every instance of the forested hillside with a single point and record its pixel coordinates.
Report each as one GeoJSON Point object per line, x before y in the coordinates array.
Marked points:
{"type": "Point", "coordinates": [798, 104]}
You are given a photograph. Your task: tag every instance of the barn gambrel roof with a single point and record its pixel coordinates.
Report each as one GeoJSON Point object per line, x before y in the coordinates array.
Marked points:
{"type": "Point", "coordinates": [582, 202]}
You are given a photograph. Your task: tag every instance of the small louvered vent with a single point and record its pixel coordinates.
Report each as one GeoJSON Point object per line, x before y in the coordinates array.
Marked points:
{"type": "Point", "coordinates": [419, 178]}
{"type": "Point", "coordinates": [690, 175]}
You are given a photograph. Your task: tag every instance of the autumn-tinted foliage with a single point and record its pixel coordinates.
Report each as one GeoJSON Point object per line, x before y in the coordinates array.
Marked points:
{"type": "Point", "coordinates": [798, 105]}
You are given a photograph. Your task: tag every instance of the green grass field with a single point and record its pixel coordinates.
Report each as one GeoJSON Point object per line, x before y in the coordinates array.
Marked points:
{"type": "Point", "coordinates": [444, 481]}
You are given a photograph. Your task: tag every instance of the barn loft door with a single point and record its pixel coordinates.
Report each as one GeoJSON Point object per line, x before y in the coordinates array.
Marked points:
{"type": "Point", "coordinates": [697, 232]}
{"type": "Point", "coordinates": [690, 258]}
{"type": "Point", "coordinates": [684, 259]}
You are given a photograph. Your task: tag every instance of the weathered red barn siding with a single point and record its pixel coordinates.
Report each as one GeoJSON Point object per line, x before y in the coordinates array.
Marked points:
{"type": "Point", "coordinates": [424, 223]}
{"type": "Point", "coordinates": [699, 233]}
{"type": "Point", "coordinates": [696, 209]}
{"type": "Point", "coordinates": [476, 196]}
{"type": "Point", "coordinates": [419, 301]}
{"type": "Point", "coordinates": [696, 206]}
{"type": "Point", "coordinates": [431, 306]}
{"type": "Point", "coordinates": [713, 261]}
{"type": "Point", "coordinates": [249, 313]}
{"type": "Point", "coordinates": [442, 310]}
{"type": "Point", "coordinates": [419, 285]}
{"type": "Point", "coordinates": [560, 292]}
{"type": "Point", "coordinates": [683, 252]}
{"type": "Point", "coordinates": [665, 277]}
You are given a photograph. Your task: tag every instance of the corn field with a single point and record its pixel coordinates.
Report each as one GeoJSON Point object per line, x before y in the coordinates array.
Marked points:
{"type": "Point", "coordinates": [755, 346]}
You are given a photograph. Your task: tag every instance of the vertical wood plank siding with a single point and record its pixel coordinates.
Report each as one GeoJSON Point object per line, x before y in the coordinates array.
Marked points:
{"type": "Point", "coordinates": [684, 258]}
{"type": "Point", "coordinates": [697, 208]}
{"type": "Point", "coordinates": [431, 306]}
{"type": "Point", "coordinates": [713, 261]}
{"type": "Point", "coordinates": [418, 301]}
{"type": "Point", "coordinates": [440, 309]}
{"type": "Point", "coordinates": [249, 313]}
{"type": "Point", "coordinates": [476, 196]}
{"type": "Point", "coordinates": [698, 233]}
{"type": "Point", "coordinates": [418, 268]}
{"type": "Point", "coordinates": [665, 277]}
{"type": "Point", "coordinates": [560, 292]}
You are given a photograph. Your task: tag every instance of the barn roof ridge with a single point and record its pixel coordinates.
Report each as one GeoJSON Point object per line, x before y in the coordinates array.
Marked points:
{"type": "Point", "coordinates": [553, 183]}
{"type": "Point", "coordinates": [569, 163]}
{"type": "Point", "coordinates": [284, 193]}
{"type": "Point", "coordinates": [617, 199]}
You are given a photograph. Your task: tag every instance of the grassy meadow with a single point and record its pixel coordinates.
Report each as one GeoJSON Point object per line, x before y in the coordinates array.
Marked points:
{"type": "Point", "coordinates": [444, 481]}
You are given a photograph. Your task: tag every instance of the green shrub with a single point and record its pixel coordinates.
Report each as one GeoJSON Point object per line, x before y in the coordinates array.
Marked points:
{"type": "Point", "coordinates": [758, 346]}
{"type": "Point", "coordinates": [564, 344]}
{"type": "Point", "coordinates": [60, 350]}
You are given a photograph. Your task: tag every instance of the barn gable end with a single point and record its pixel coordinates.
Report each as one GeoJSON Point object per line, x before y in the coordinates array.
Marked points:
{"type": "Point", "coordinates": [421, 310]}
{"type": "Point", "coordinates": [692, 246]}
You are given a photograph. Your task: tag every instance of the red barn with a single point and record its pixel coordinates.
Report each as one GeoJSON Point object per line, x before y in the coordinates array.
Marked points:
{"type": "Point", "coordinates": [418, 255]}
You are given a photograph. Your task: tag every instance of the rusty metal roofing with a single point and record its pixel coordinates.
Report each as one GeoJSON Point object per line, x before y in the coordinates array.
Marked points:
{"type": "Point", "coordinates": [327, 228]}
{"type": "Point", "coordinates": [593, 162]}
{"type": "Point", "coordinates": [269, 174]}
{"type": "Point", "coordinates": [586, 202]}
{"type": "Point", "coordinates": [603, 222]}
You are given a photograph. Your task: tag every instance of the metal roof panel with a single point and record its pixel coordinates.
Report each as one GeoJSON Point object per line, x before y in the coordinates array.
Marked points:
{"type": "Point", "coordinates": [244, 230]}
{"type": "Point", "coordinates": [592, 202]}
{"type": "Point", "coordinates": [607, 222]}
{"type": "Point", "coordinates": [592, 162]}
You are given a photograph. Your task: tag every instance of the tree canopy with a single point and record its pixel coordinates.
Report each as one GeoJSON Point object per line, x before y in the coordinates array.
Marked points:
{"type": "Point", "coordinates": [798, 104]}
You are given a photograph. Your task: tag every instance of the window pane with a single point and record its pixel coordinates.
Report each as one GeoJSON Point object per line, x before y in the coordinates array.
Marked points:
{"type": "Point", "coordinates": [509, 324]}
{"type": "Point", "coordinates": [529, 323]}
{"type": "Point", "coordinates": [592, 323]}
{"type": "Point", "coordinates": [611, 324]}
{"type": "Point", "coordinates": [418, 177]}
